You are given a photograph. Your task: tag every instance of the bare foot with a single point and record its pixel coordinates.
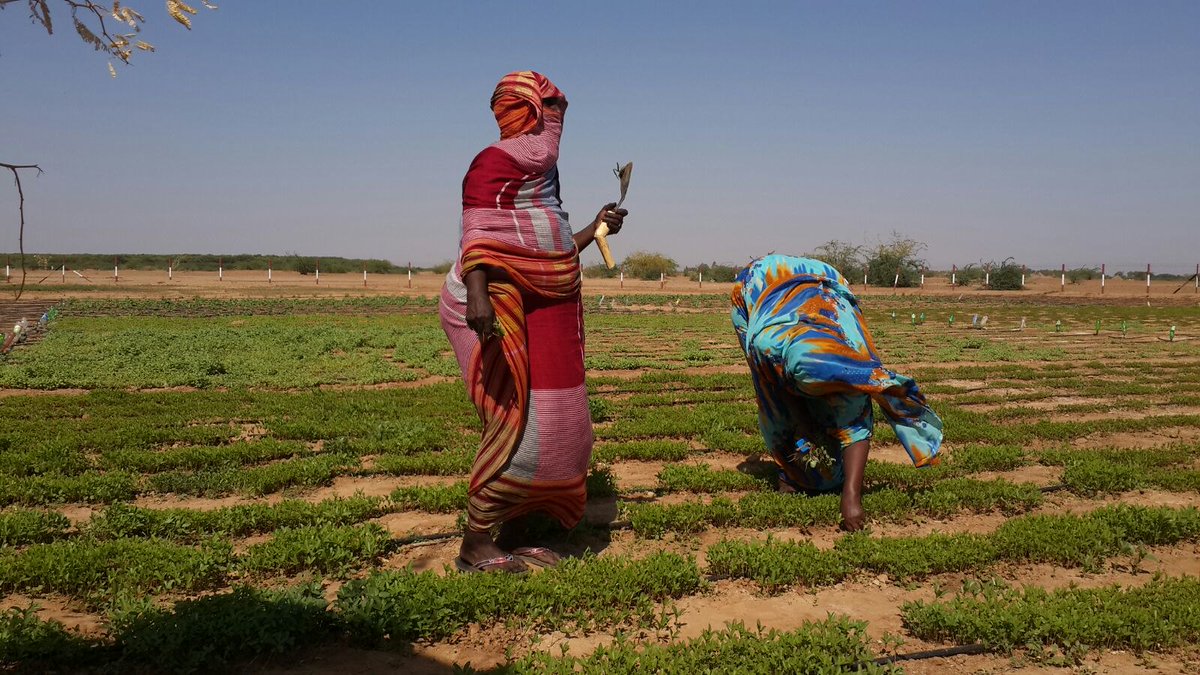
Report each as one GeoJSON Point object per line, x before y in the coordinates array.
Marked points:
{"type": "Point", "coordinates": [853, 516]}
{"type": "Point", "coordinates": [478, 546]}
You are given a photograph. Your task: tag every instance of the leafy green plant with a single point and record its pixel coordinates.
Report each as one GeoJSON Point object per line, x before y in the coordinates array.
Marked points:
{"type": "Point", "coordinates": [334, 549]}
{"type": "Point", "coordinates": [213, 633]}
{"type": "Point", "coordinates": [98, 569]}
{"type": "Point", "coordinates": [1160, 615]}
{"type": "Point", "coordinates": [834, 645]}
{"type": "Point", "coordinates": [26, 526]}
{"type": "Point", "coordinates": [121, 520]}
{"type": "Point", "coordinates": [578, 593]}
{"type": "Point", "coordinates": [432, 498]}
{"type": "Point", "coordinates": [29, 642]}
{"type": "Point", "coordinates": [701, 478]}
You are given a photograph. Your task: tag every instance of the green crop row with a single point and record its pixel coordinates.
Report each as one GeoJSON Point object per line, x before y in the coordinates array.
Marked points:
{"type": "Point", "coordinates": [70, 435]}
{"type": "Point", "coordinates": [1068, 540]}
{"type": "Point", "coordinates": [1099, 476]}
{"type": "Point", "coordinates": [645, 450]}
{"type": "Point", "coordinates": [25, 526]}
{"type": "Point", "coordinates": [100, 571]}
{"type": "Point", "coordinates": [258, 480]}
{"type": "Point", "coordinates": [700, 478]}
{"type": "Point", "coordinates": [835, 645]}
{"type": "Point", "coordinates": [577, 594]}
{"type": "Point", "coordinates": [200, 457]}
{"type": "Point", "coordinates": [1164, 613]}
{"type": "Point", "coordinates": [771, 510]}
{"type": "Point", "coordinates": [122, 520]}
{"type": "Point", "coordinates": [91, 487]}
{"type": "Point", "coordinates": [208, 634]}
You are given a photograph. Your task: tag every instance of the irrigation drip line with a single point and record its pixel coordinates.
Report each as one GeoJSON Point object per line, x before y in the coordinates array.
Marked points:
{"type": "Point", "coordinates": [1054, 488]}
{"type": "Point", "coordinates": [959, 650]}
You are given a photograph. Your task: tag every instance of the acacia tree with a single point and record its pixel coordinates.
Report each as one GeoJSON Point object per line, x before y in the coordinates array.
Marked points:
{"type": "Point", "coordinates": [110, 28]}
{"type": "Point", "coordinates": [895, 262]}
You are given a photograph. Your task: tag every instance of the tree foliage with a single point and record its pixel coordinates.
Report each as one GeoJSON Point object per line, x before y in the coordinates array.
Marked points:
{"type": "Point", "coordinates": [715, 272]}
{"type": "Point", "coordinates": [899, 256]}
{"type": "Point", "coordinates": [844, 256]}
{"type": "Point", "coordinates": [114, 29]}
{"type": "Point", "coordinates": [645, 265]}
{"type": "Point", "coordinates": [1006, 277]}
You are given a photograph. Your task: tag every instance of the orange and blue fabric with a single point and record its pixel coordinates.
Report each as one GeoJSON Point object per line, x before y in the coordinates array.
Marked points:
{"type": "Point", "coordinates": [816, 372]}
{"type": "Point", "coordinates": [527, 383]}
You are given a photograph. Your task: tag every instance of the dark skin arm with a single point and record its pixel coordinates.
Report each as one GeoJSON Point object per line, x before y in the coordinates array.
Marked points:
{"type": "Point", "coordinates": [481, 316]}
{"type": "Point", "coordinates": [854, 462]}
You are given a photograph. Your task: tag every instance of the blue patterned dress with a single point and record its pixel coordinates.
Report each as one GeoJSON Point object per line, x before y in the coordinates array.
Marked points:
{"type": "Point", "coordinates": [816, 372]}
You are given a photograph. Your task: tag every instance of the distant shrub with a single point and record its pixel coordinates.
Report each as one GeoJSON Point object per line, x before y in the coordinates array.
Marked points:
{"type": "Point", "coordinates": [715, 272]}
{"type": "Point", "coordinates": [895, 262]}
{"type": "Point", "coordinates": [600, 271]}
{"type": "Point", "coordinates": [1006, 277]}
{"type": "Point", "coordinates": [644, 265]}
{"type": "Point", "coordinates": [845, 257]}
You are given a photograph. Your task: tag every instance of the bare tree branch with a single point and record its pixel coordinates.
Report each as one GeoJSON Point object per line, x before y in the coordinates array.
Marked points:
{"type": "Point", "coordinates": [16, 172]}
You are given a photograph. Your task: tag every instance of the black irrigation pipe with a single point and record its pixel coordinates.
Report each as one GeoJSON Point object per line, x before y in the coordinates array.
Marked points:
{"type": "Point", "coordinates": [959, 650]}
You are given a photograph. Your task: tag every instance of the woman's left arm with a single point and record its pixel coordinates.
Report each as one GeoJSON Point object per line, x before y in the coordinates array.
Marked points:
{"type": "Point", "coordinates": [609, 214]}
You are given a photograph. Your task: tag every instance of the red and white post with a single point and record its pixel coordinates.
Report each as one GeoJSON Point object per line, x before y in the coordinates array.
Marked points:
{"type": "Point", "coordinates": [1063, 282]}
{"type": "Point", "coordinates": [410, 275]}
{"type": "Point", "coordinates": [268, 270]}
{"type": "Point", "coordinates": [1103, 274]}
{"type": "Point", "coordinates": [170, 269]}
{"type": "Point", "coordinates": [954, 275]}
{"type": "Point", "coordinates": [220, 269]}
{"type": "Point", "coordinates": [317, 270]}
{"type": "Point", "coordinates": [701, 279]}
{"type": "Point", "coordinates": [1147, 279]}
{"type": "Point", "coordinates": [116, 271]}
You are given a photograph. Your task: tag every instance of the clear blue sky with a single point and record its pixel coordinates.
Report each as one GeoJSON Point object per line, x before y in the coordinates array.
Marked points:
{"type": "Point", "coordinates": [1053, 132]}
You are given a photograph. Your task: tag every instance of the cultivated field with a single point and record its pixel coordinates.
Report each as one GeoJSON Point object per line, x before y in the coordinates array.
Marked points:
{"type": "Point", "coordinates": [203, 476]}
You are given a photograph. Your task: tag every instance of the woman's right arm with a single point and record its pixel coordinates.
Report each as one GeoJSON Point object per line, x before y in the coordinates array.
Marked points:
{"type": "Point", "coordinates": [481, 317]}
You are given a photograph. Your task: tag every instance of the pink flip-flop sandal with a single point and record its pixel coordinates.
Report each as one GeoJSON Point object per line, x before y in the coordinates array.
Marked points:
{"type": "Point", "coordinates": [489, 565]}
{"type": "Point", "coordinates": [529, 554]}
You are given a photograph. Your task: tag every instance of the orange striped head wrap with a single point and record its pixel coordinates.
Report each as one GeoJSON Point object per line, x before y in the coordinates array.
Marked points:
{"type": "Point", "coordinates": [517, 101]}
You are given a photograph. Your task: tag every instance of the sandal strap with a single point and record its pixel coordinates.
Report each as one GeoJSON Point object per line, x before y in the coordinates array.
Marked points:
{"type": "Point", "coordinates": [531, 550]}
{"type": "Point", "coordinates": [492, 562]}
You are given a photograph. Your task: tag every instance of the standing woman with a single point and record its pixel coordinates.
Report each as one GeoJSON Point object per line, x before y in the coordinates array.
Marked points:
{"type": "Point", "coordinates": [511, 307]}
{"type": "Point", "coordinates": [816, 372]}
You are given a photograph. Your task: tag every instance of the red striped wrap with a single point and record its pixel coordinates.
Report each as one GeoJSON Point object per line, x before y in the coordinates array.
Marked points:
{"type": "Point", "coordinates": [527, 384]}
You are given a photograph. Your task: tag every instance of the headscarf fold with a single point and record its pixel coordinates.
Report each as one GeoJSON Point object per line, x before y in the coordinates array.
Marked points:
{"type": "Point", "coordinates": [517, 101]}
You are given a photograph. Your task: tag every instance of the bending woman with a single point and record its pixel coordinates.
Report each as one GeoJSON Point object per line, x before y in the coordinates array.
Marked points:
{"type": "Point", "coordinates": [511, 308]}
{"type": "Point", "coordinates": [816, 372]}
